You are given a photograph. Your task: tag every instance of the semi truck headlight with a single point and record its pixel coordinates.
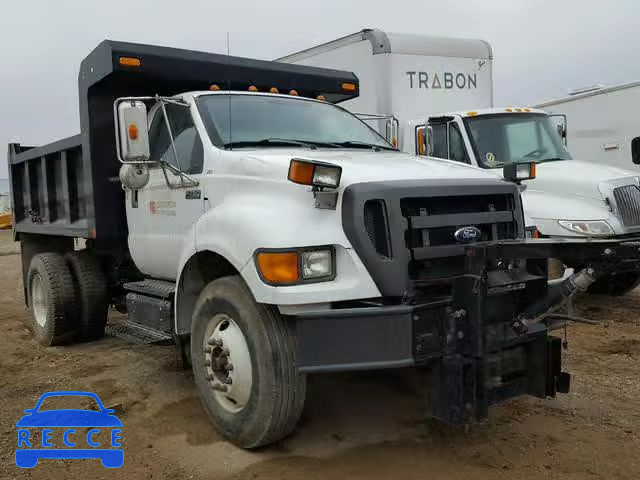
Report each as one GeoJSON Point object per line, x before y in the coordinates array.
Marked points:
{"type": "Point", "coordinates": [293, 266]}
{"type": "Point", "coordinates": [588, 228]}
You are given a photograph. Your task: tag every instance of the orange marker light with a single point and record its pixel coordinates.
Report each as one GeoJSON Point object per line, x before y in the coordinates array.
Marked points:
{"type": "Point", "coordinates": [214, 88]}
{"type": "Point", "coordinates": [301, 172]}
{"type": "Point", "coordinates": [322, 98]}
{"type": "Point", "coordinates": [421, 141]}
{"type": "Point", "coordinates": [293, 92]}
{"type": "Point", "coordinates": [532, 170]}
{"type": "Point", "coordinates": [129, 61]}
{"type": "Point", "coordinates": [349, 87]}
{"type": "Point", "coordinates": [278, 267]}
{"type": "Point", "coordinates": [274, 90]}
{"type": "Point", "coordinates": [253, 88]}
{"type": "Point", "coordinates": [133, 131]}
{"type": "Point", "coordinates": [472, 114]}
{"type": "Point", "coordinates": [509, 109]}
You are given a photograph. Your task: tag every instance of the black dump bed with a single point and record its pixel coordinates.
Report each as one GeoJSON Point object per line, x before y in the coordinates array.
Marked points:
{"type": "Point", "coordinates": [71, 188]}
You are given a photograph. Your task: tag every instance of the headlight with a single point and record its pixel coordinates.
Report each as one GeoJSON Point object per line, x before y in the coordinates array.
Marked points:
{"type": "Point", "coordinates": [293, 266]}
{"type": "Point", "coordinates": [316, 264]}
{"type": "Point", "coordinates": [587, 228]}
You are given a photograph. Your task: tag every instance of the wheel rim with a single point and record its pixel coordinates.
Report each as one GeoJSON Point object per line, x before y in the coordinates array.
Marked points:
{"type": "Point", "coordinates": [227, 363]}
{"type": "Point", "coordinates": [39, 300]}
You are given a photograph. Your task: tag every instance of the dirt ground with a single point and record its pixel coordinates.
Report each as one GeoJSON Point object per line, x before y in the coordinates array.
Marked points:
{"type": "Point", "coordinates": [354, 426]}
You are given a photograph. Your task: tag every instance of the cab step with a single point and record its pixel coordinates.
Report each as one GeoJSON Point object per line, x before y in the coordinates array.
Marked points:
{"type": "Point", "coordinates": [139, 334]}
{"type": "Point", "coordinates": [152, 287]}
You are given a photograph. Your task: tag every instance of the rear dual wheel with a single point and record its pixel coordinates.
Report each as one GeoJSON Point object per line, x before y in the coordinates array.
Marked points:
{"type": "Point", "coordinates": [67, 297]}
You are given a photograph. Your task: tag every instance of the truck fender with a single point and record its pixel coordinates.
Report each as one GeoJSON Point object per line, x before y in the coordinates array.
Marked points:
{"type": "Point", "coordinates": [197, 269]}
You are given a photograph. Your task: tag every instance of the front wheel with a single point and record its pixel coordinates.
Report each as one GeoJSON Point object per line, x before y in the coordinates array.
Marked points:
{"type": "Point", "coordinates": [244, 363]}
{"type": "Point", "coordinates": [615, 284]}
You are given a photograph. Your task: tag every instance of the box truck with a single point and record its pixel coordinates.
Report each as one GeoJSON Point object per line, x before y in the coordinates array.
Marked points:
{"type": "Point", "coordinates": [434, 96]}
{"type": "Point", "coordinates": [234, 206]}
{"type": "Point", "coordinates": [602, 124]}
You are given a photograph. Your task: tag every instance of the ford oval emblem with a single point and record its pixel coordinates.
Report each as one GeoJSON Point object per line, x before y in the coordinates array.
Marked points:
{"type": "Point", "coordinates": [467, 234]}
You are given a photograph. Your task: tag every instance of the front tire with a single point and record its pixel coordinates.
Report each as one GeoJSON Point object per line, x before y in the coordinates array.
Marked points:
{"type": "Point", "coordinates": [260, 398]}
{"type": "Point", "coordinates": [615, 285]}
{"type": "Point", "coordinates": [51, 299]}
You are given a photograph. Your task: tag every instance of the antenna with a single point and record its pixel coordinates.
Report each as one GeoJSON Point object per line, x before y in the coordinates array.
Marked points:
{"type": "Point", "coordinates": [229, 92]}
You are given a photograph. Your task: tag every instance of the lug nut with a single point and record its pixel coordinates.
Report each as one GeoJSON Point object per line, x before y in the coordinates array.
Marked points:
{"type": "Point", "coordinates": [210, 377]}
{"type": "Point", "coordinates": [228, 381]}
{"type": "Point", "coordinates": [219, 387]}
{"type": "Point", "coordinates": [228, 367]}
{"type": "Point", "coordinates": [208, 350]}
{"type": "Point", "coordinates": [207, 363]}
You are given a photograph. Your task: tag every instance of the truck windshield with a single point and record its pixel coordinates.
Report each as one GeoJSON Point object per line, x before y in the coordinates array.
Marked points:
{"type": "Point", "coordinates": [509, 138]}
{"type": "Point", "coordinates": [237, 121]}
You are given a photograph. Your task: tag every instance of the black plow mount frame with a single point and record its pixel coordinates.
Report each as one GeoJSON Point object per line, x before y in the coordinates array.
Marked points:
{"type": "Point", "coordinates": [467, 344]}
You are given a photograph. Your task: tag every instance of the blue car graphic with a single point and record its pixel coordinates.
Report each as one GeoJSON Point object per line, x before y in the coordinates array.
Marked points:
{"type": "Point", "coordinates": [69, 419]}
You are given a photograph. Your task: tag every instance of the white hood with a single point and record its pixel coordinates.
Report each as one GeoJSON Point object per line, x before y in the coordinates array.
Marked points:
{"type": "Point", "coordinates": [575, 178]}
{"type": "Point", "coordinates": [359, 165]}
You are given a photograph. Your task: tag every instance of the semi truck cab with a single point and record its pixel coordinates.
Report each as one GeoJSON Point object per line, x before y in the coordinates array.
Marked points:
{"type": "Point", "coordinates": [567, 198]}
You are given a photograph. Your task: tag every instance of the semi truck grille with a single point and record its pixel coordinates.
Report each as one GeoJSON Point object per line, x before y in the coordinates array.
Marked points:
{"type": "Point", "coordinates": [628, 201]}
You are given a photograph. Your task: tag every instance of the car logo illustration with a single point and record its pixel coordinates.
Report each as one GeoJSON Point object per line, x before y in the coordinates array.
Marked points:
{"type": "Point", "coordinates": [72, 422]}
{"type": "Point", "coordinates": [468, 234]}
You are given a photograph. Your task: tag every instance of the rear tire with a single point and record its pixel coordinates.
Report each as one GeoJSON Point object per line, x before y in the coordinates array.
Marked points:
{"type": "Point", "coordinates": [92, 294]}
{"type": "Point", "coordinates": [265, 393]}
{"type": "Point", "coordinates": [51, 299]}
{"type": "Point", "coordinates": [615, 285]}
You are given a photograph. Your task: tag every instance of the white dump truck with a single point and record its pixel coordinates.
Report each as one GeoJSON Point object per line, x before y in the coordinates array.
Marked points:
{"type": "Point", "coordinates": [232, 206]}
{"type": "Point", "coordinates": [434, 96]}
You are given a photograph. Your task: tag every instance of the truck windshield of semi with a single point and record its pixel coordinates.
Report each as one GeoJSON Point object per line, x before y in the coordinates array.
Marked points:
{"type": "Point", "coordinates": [506, 138]}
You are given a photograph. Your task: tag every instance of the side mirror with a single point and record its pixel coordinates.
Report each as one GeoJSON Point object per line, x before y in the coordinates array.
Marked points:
{"type": "Point", "coordinates": [518, 172]}
{"type": "Point", "coordinates": [428, 141]}
{"type": "Point", "coordinates": [132, 133]}
{"type": "Point", "coordinates": [635, 150]}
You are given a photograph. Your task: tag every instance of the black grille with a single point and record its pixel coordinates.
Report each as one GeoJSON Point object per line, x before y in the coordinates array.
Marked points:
{"type": "Point", "coordinates": [434, 220]}
{"type": "Point", "coordinates": [376, 225]}
{"type": "Point", "coordinates": [628, 202]}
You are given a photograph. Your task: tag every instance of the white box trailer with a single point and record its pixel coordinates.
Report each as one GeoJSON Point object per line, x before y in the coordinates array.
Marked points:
{"type": "Point", "coordinates": [401, 74]}
{"type": "Point", "coordinates": [602, 124]}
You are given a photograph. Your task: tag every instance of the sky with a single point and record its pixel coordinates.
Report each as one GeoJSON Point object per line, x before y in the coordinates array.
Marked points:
{"type": "Point", "coordinates": [542, 48]}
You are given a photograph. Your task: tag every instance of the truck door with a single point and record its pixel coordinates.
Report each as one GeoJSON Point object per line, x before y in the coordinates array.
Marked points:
{"type": "Point", "coordinates": [164, 211]}
{"type": "Point", "coordinates": [442, 140]}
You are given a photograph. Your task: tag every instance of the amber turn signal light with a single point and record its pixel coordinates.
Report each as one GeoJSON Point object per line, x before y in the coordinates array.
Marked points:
{"type": "Point", "coordinates": [278, 267]}
{"type": "Point", "coordinates": [133, 131]}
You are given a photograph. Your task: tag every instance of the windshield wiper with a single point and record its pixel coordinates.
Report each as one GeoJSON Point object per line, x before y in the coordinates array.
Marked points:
{"type": "Point", "coordinates": [357, 144]}
{"type": "Point", "coordinates": [269, 142]}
